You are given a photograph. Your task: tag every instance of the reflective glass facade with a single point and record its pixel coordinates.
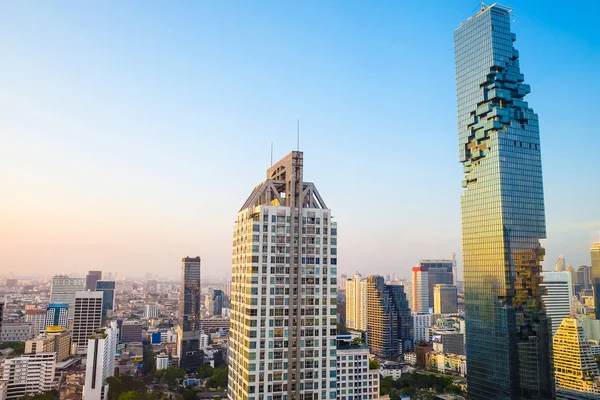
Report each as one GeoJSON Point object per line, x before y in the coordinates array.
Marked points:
{"type": "Point", "coordinates": [508, 339]}
{"type": "Point", "coordinates": [108, 297]}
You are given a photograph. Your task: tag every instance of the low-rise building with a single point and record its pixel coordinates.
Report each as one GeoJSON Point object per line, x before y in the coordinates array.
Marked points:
{"type": "Point", "coordinates": [390, 369]}
{"type": "Point", "coordinates": [16, 332]}
{"type": "Point", "coordinates": [131, 331]}
{"type": "Point", "coordinates": [29, 374]}
{"type": "Point", "coordinates": [162, 361]}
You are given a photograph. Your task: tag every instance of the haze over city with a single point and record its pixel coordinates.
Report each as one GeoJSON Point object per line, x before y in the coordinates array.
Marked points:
{"type": "Point", "coordinates": [131, 135]}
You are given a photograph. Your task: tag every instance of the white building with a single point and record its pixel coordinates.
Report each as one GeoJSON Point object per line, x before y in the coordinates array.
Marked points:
{"type": "Point", "coordinates": [356, 303]}
{"type": "Point", "coordinates": [284, 290]}
{"type": "Point", "coordinates": [87, 319]}
{"type": "Point", "coordinates": [204, 339]}
{"type": "Point", "coordinates": [421, 324]}
{"type": "Point", "coordinates": [420, 290]}
{"type": "Point", "coordinates": [390, 369]}
{"type": "Point", "coordinates": [168, 336]}
{"type": "Point", "coordinates": [151, 311]}
{"type": "Point", "coordinates": [63, 290]}
{"type": "Point", "coordinates": [37, 319]}
{"type": "Point", "coordinates": [15, 332]}
{"type": "Point", "coordinates": [559, 296]}
{"type": "Point", "coordinates": [162, 361]}
{"type": "Point", "coordinates": [100, 362]}
{"type": "Point", "coordinates": [29, 374]}
{"type": "Point", "coordinates": [355, 379]}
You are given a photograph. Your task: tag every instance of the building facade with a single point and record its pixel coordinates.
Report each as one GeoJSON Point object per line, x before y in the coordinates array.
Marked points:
{"type": "Point", "coordinates": [37, 319]}
{"type": "Point", "coordinates": [558, 297]}
{"type": "Point", "coordinates": [188, 347]}
{"type": "Point", "coordinates": [421, 325]}
{"type": "Point", "coordinates": [356, 303]}
{"type": "Point", "coordinates": [355, 380]}
{"type": "Point", "coordinates": [16, 332]}
{"type": "Point", "coordinates": [108, 297]}
{"type": "Point", "coordinates": [91, 278]}
{"type": "Point", "coordinates": [595, 276]}
{"type": "Point", "coordinates": [57, 314]}
{"type": "Point", "coordinates": [502, 206]}
{"type": "Point", "coordinates": [574, 365]}
{"type": "Point", "coordinates": [100, 362]}
{"type": "Point", "coordinates": [87, 319]}
{"type": "Point", "coordinates": [438, 272]}
{"type": "Point", "coordinates": [131, 332]}
{"type": "Point", "coordinates": [389, 324]}
{"type": "Point", "coordinates": [445, 299]}
{"type": "Point", "coordinates": [151, 311]}
{"type": "Point", "coordinates": [284, 291]}
{"type": "Point", "coordinates": [63, 290]}
{"type": "Point", "coordinates": [29, 374]}
{"type": "Point", "coordinates": [420, 289]}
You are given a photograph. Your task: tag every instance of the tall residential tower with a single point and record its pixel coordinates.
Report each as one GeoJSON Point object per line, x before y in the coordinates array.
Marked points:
{"type": "Point", "coordinates": [283, 291]}
{"type": "Point", "coordinates": [188, 338]}
{"type": "Point", "coordinates": [508, 341]}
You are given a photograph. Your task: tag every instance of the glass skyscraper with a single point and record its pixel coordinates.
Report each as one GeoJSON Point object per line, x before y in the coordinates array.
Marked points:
{"type": "Point", "coordinates": [508, 335]}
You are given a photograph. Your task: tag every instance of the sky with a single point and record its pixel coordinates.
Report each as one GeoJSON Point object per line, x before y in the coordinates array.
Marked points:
{"type": "Point", "coordinates": [132, 132]}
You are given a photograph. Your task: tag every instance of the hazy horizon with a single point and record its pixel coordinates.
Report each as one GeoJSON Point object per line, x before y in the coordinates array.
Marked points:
{"type": "Point", "coordinates": [132, 133]}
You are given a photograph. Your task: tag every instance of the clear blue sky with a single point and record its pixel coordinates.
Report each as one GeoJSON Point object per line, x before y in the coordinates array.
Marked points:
{"type": "Point", "coordinates": [131, 132]}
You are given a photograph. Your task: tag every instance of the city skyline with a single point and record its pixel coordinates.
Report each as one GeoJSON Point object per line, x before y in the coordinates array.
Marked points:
{"type": "Point", "coordinates": [109, 152]}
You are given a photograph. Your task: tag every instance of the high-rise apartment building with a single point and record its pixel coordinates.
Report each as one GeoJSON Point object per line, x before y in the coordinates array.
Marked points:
{"type": "Point", "coordinates": [438, 272]}
{"type": "Point", "coordinates": [108, 297]}
{"type": "Point", "coordinates": [558, 297]}
{"type": "Point", "coordinates": [389, 323]}
{"type": "Point", "coordinates": [63, 290]}
{"type": "Point", "coordinates": [188, 344]}
{"type": "Point", "coordinates": [356, 380]}
{"type": "Point", "coordinates": [218, 298]}
{"type": "Point", "coordinates": [421, 325]}
{"type": "Point", "coordinates": [57, 314]}
{"type": "Point", "coordinates": [151, 311]}
{"type": "Point", "coordinates": [574, 365]}
{"type": "Point", "coordinates": [356, 303]}
{"type": "Point", "coordinates": [100, 362]}
{"type": "Point", "coordinates": [1, 313]}
{"type": "Point", "coordinates": [560, 264]}
{"type": "Point", "coordinates": [283, 292]}
{"type": "Point", "coordinates": [595, 254]}
{"type": "Point", "coordinates": [87, 319]}
{"type": "Point", "coordinates": [420, 289]}
{"type": "Point", "coordinates": [508, 334]}
{"type": "Point", "coordinates": [91, 278]}
{"type": "Point", "coordinates": [29, 374]}
{"type": "Point", "coordinates": [445, 299]}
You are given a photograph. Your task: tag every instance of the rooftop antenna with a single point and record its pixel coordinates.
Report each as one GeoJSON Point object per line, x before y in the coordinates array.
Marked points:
{"type": "Point", "coordinates": [271, 153]}
{"type": "Point", "coordinates": [298, 135]}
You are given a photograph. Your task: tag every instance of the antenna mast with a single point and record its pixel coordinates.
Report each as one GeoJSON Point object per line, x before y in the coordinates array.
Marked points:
{"type": "Point", "coordinates": [298, 135]}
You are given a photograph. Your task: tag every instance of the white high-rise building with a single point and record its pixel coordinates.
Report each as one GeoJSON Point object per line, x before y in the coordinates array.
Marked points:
{"type": "Point", "coordinates": [63, 290]}
{"type": "Point", "coordinates": [421, 324]}
{"type": "Point", "coordinates": [356, 303]}
{"type": "Point", "coordinates": [87, 319]}
{"type": "Point", "coordinates": [558, 298]}
{"type": "Point", "coordinates": [37, 319]}
{"type": "Point", "coordinates": [420, 290]}
{"type": "Point", "coordinates": [283, 292]}
{"type": "Point", "coordinates": [100, 362]}
{"type": "Point", "coordinates": [151, 311]}
{"type": "Point", "coordinates": [356, 379]}
{"type": "Point", "coordinates": [29, 374]}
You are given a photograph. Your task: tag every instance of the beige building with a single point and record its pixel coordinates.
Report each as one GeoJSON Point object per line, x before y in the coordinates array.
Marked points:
{"type": "Point", "coordinates": [445, 299]}
{"type": "Point", "coordinates": [356, 303]}
{"type": "Point", "coordinates": [55, 339]}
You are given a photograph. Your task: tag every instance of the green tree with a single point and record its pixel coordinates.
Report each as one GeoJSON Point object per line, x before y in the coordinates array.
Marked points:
{"type": "Point", "coordinates": [205, 371]}
{"type": "Point", "coordinates": [189, 394]}
{"type": "Point", "coordinates": [219, 379]}
{"type": "Point", "coordinates": [18, 347]}
{"type": "Point", "coordinates": [129, 396]}
{"type": "Point", "coordinates": [171, 375]}
{"type": "Point", "coordinates": [51, 395]}
{"type": "Point", "coordinates": [373, 364]}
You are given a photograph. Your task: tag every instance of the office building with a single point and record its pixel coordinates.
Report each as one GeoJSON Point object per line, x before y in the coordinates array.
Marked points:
{"type": "Point", "coordinates": [355, 379]}
{"type": "Point", "coordinates": [284, 290]}
{"type": "Point", "coordinates": [574, 365]}
{"type": "Point", "coordinates": [63, 290]}
{"type": "Point", "coordinates": [131, 332]}
{"type": "Point", "coordinates": [356, 303]}
{"type": "Point", "coordinates": [583, 277]}
{"type": "Point", "coordinates": [87, 319]}
{"type": "Point", "coordinates": [1, 313]}
{"type": "Point", "coordinates": [16, 332]}
{"type": "Point", "coordinates": [421, 324]}
{"type": "Point", "coordinates": [445, 299]}
{"type": "Point", "coordinates": [55, 340]}
{"type": "Point", "coordinates": [388, 319]}
{"type": "Point", "coordinates": [214, 323]}
{"type": "Point", "coordinates": [100, 362]}
{"type": "Point", "coordinates": [218, 297]}
{"type": "Point", "coordinates": [91, 278]}
{"type": "Point", "coordinates": [560, 264]}
{"type": "Point", "coordinates": [420, 289]}
{"type": "Point", "coordinates": [595, 278]}
{"type": "Point", "coordinates": [188, 332]}
{"type": "Point", "coordinates": [57, 314]}
{"type": "Point", "coordinates": [151, 311]}
{"type": "Point", "coordinates": [37, 319]}
{"type": "Point", "coordinates": [558, 296]}
{"type": "Point", "coordinates": [438, 272]}
{"type": "Point", "coordinates": [502, 206]}
{"type": "Point", "coordinates": [162, 362]}
{"type": "Point", "coordinates": [108, 297]}
{"type": "Point", "coordinates": [448, 341]}
{"type": "Point", "coordinates": [29, 374]}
